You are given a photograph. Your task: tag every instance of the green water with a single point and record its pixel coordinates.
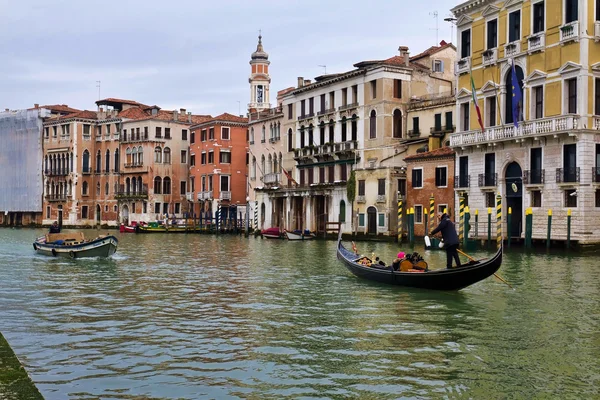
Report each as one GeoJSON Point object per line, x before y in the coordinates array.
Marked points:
{"type": "Point", "coordinates": [200, 316]}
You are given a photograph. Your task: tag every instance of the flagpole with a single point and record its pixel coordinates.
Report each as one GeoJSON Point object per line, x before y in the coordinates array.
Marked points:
{"type": "Point", "coordinates": [498, 97]}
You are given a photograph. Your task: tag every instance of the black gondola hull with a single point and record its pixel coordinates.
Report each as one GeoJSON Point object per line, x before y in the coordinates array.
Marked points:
{"type": "Point", "coordinates": [441, 279]}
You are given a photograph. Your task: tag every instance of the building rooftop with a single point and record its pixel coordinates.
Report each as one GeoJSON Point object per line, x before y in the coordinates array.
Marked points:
{"type": "Point", "coordinates": [442, 152]}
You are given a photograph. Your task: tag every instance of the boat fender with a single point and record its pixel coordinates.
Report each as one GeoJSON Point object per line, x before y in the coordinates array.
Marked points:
{"type": "Point", "coordinates": [427, 241]}
{"type": "Point", "coordinates": [72, 254]}
{"type": "Point", "coordinates": [54, 252]}
{"type": "Point", "coordinates": [34, 247]}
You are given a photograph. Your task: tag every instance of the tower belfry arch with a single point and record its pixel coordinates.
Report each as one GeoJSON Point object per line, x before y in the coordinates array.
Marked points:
{"type": "Point", "coordinates": [259, 78]}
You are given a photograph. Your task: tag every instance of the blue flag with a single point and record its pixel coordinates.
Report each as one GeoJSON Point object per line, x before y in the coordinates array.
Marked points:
{"type": "Point", "coordinates": [517, 96]}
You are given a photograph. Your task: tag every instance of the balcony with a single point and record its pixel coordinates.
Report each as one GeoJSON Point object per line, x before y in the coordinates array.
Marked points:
{"type": "Point", "coordinates": [306, 116]}
{"type": "Point", "coordinates": [360, 199]}
{"type": "Point", "coordinates": [489, 57]}
{"type": "Point", "coordinates": [488, 180]}
{"type": "Point", "coordinates": [512, 49]}
{"type": "Point", "coordinates": [462, 181]}
{"type": "Point", "coordinates": [597, 31]}
{"type": "Point", "coordinates": [56, 197]}
{"type": "Point", "coordinates": [441, 130]}
{"type": "Point", "coordinates": [380, 198]}
{"type": "Point", "coordinates": [326, 112]}
{"type": "Point", "coordinates": [463, 65]}
{"type": "Point", "coordinates": [569, 32]}
{"type": "Point", "coordinates": [133, 165]}
{"type": "Point", "coordinates": [348, 106]}
{"type": "Point", "coordinates": [272, 179]}
{"type": "Point", "coordinates": [225, 195]}
{"type": "Point", "coordinates": [129, 192]}
{"type": "Point", "coordinates": [86, 171]}
{"type": "Point", "coordinates": [414, 133]}
{"type": "Point", "coordinates": [274, 139]}
{"type": "Point", "coordinates": [536, 42]}
{"type": "Point", "coordinates": [50, 172]}
{"type": "Point", "coordinates": [205, 195]}
{"type": "Point", "coordinates": [325, 150]}
{"type": "Point", "coordinates": [567, 175]}
{"type": "Point", "coordinates": [538, 127]}
{"type": "Point", "coordinates": [534, 177]}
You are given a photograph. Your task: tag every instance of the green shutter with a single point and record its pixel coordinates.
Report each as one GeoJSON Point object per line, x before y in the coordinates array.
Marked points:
{"type": "Point", "coordinates": [361, 219]}
{"type": "Point", "coordinates": [381, 219]}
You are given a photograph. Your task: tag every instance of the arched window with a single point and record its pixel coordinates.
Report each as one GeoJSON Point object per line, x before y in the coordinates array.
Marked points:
{"type": "Point", "coordinates": [251, 135]}
{"type": "Point", "coordinates": [134, 187]}
{"type": "Point", "coordinates": [116, 160]}
{"type": "Point", "coordinates": [134, 158]}
{"type": "Point", "coordinates": [275, 164]}
{"type": "Point", "coordinates": [397, 129]}
{"type": "Point", "coordinates": [127, 186]}
{"type": "Point", "coordinates": [157, 185]}
{"type": "Point", "coordinates": [128, 156]}
{"type": "Point", "coordinates": [167, 185]}
{"type": "Point", "coordinates": [373, 125]}
{"type": "Point", "coordinates": [70, 188]}
{"type": "Point", "coordinates": [344, 129]}
{"type": "Point", "coordinates": [342, 211]}
{"type": "Point", "coordinates": [167, 155]}
{"type": "Point", "coordinates": [85, 161]}
{"type": "Point", "coordinates": [140, 155]}
{"type": "Point", "coordinates": [46, 170]}
{"type": "Point", "coordinates": [140, 186]}
{"type": "Point", "coordinates": [253, 170]}
{"type": "Point", "coordinates": [72, 158]}
{"type": "Point", "coordinates": [106, 189]}
{"type": "Point", "coordinates": [107, 161]}
{"type": "Point", "coordinates": [311, 139]}
{"type": "Point", "coordinates": [98, 161]}
{"type": "Point", "coordinates": [269, 165]}
{"type": "Point", "coordinates": [278, 130]}
{"type": "Point", "coordinates": [98, 189]}
{"type": "Point", "coordinates": [322, 132]}
{"type": "Point", "coordinates": [262, 165]}
{"type": "Point", "coordinates": [302, 138]}
{"type": "Point", "coordinates": [289, 139]}
{"type": "Point", "coordinates": [262, 136]}
{"type": "Point", "coordinates": [508, 111]}
{"type": "Point", "coordinates": [157, 154]}
{"type": "Point", "coordinates": [354, 125]}
{"type": "Point", "coordinates": [331, 131]}
{"type": "Point", "coordinates": [280, 162]}
{"type": "Point", "coordinates": [271, 132]}
{"type": "Point", "coordinates": [84, 188]}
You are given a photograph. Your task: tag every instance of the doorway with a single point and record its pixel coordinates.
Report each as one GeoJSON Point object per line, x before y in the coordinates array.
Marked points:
{"type": "Point", "coordinates": [125, 215]}
{"type": "Point", "coordinates": [320, 212]}
{"type": "Point", "coordinates": [514, 197]}
{"type": "Point", "coordinates": [372, 220]}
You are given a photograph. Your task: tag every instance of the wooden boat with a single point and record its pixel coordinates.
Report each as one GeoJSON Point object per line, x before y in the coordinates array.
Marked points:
{"type": "Point", "coordinates": [74, 245]}
{"type": "Point", "coordinates": [271, 233]}
{"type": "Point", "coordinates": [441, 279]}
{"type": "Point", "coordinates": [298, 235]}
{"type": "Point", "coordinates": [127, 228]}
{"type": "Point", "coordinates": [157, 227]}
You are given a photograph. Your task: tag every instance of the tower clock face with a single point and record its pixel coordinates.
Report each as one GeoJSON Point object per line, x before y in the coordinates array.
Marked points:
{"type": "Point", "coordinates": [259, 94]}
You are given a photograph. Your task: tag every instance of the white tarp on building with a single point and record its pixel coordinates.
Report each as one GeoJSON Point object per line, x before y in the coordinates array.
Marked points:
{"type": "Point", "coordinates": [21, 182]}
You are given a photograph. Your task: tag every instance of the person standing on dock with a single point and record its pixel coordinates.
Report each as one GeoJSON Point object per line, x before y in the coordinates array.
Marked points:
{"type": "Point", "coordinates": [450, 238]}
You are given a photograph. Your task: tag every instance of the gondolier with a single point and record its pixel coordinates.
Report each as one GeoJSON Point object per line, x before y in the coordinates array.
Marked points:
{"type": "Point", "coordinates": [448, 231]}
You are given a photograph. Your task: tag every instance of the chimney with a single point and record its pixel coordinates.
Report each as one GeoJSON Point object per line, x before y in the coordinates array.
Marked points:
{"type": "Point", "coordinates": [300, 82]}
{"type": "Point", "coordinates": [307, 82]}
{"type": "Point", "coordinates": [6, 109]}
{"type": "Point", "coordinates": [405, 54]}
{"type": "Point", "coordinates": [36, 105]}
{"type": "Point", "coordinates": [182, 110]}
{"type": "Point", "coordinates": [175, 115]}
{"type": "Point", "coordinates": [190, 118]}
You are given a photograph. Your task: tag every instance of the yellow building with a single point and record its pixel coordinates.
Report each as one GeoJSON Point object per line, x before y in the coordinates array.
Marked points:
{"type": "Point", "coordinates": [544, 154]}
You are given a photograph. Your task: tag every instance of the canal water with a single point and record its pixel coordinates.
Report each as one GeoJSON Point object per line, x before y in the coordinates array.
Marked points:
{"type": "Point", "coordinates": [204, 316]}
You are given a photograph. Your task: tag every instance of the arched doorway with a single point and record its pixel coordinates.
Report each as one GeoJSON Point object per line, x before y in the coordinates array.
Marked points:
{"type": "Point", "coordinates": [263, 211]}
{"type": "Point", "coordinates": [372, 220]}
{"type": "Point", "coordinates": [125, 215]}
{"type": "Point", "coordinates": [98, 219]}
{"type": "Point", "coordinates": [508, 112]}
{"type": "Point", "coordinates": [514, 197]}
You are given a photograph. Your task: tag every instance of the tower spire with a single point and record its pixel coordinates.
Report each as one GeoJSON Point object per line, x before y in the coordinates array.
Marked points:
{"type": "Point", "coordinates": [259, 78]}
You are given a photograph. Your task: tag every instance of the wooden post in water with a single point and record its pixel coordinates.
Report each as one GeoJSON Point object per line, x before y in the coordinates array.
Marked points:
{"type": "Point", "coordinates": [466, 226]}
{"type": "Point", "coordinates": [400, 209]}
{"type": "Point", "coordinates": [508, 226]}
{"type": "Point", "coordinates": [569, 228]}
{"type": "Point", "coordinates": [476, 223]}
{"type": "Point", "coordinates": [489, 241]}
{"type": "Point", "coordinates": [461, 217]}
{"type": "Point", "coordinates": [549, 228]}
{"type": "Point", "coordinates": [529, 228]}
{"type": "Point", "coordinates": [498, 220]}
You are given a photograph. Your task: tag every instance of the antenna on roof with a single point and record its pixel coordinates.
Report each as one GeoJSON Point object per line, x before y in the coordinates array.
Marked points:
{"type": "Point", "coordinates": [324, 67]}
{"type": "Point", "coordinates": [435, 15]}
{"type": "Point", "coordinates": [98, 86]}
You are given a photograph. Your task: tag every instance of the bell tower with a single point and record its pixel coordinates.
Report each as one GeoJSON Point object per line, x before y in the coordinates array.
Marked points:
{"type": "Point", "coordinates": [259, 79]}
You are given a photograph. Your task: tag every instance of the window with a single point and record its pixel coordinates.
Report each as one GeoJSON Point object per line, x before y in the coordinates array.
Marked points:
{"type": "Point", "coordinates": [538, 101]}
{"type": "Point", "coordinates": [290, 111]}
{"type": "Point", "coordinates": [331, 131]}
{"type": "Point", "coordinates": [98, 189]}
{"type": "Point", "coordinates": [571, 86]}
{"type": "Point", "coordinates": [571, 11]}
{"type": "Point", "coordinates": [415, 129]}
{"type": "Point", "coordinates": [536, 198]}
{"type": "Point", "coordinates": [571, 198]}
{"type": "Point", "coordinates": [373, 125]}
{"type": "Point", "coordinates": [203, 159]}
{"type": "Point", "coordinates": [538, 17]}
{"type": "Point", "coordinates": [490, 108]}
{"type": "Point", "coordinates": [48, 212]}
{"type": "Point", "coordinates": [373, 89]}
{"type": "Point", "coordinates": [570, 163]}
{"type": "Point", "coordinates": [354, 94]}
{"type": "Point", "coordinates": [361, 219]}
{"type": "Point", "coordinates": [225, 133]}
{"type": "Point", "coordinates": [47, 132]}
{"type": "Point", "coordinates": [597, 96]}
{"type": "Point", "coordinates": [492, 34]}
{"type": "Point", "coordinates": [289, 139]}
{"type": "Point", "coordinates": [381, 187]}
{"type": "Point", "coordinates": [418, 214]}
{"type": "Point", "coordinates": [417, 178]}
{"type": "Point", "coordinates": [311, 105]}
{"type": "Point", "coordinates": [343, 173]}
{"type": "Point", "coordinates": [311, 176]}
{"type": "Point", "coordinates": [536, 165]}
{"type": "Point", "coordinates": [203, 135]}
{"type": "Point", "coordinates": [342, 218]}
{"type": "Point", "coordinates": [449, 124]}
{"type": "Point", "coordinates": [167, 185]}
{"type": "Point", "coordinates": [398, 85]}
{"type": "Point", "coordinates": [84, 212]}
{"type": "Point", "coordinates": [211, 133]}
{"type": "Point", "coordinates": [107, 161]}
{"type": "Point", "coordinates": [463, 171]}
{"type": "Point", "coordinates": [402, 187]}
{"type": "Point", "coordinates": [182, 187]}
{"type": "Point", "coordinates": [322, 174]}
{"type": "Point", "coordinates": [437, 122]}
{"type": "Point", "coordinates": [184, 134]}
{"type": "Point", "coordinates": [438, 66]}
{"type": "Point", "coordinates": [489, 169]}
{"type": "Point", "coordinates": [166, 208]}
{"type": "Point", "coordinates": [514, 26]}
{"type": "Point", "coordinates": [167, 133]}
{"type": "Point", "coordinates": [397, 119]}
{"type": "Point", "coordinates": [441, 176]}
{"type": "Point", "coordinates": [106, 189]}
{"type": "Point", "coordinates": [381, 219]}
{"type": "Point", "coordinates": [302, 108]}
{"type": "Point", "coordinates": [86, 130]}
{"type": "Point", "coordinates": [158, 133]}
{"type": "Point", "coordinates": [167, 155]}
{"type": "Point", "coordinates": [157, 185]}
{"type": "Point", "coordinates": [465, 43]}
{"type": "Point", "coordinates": [54, 131]}
{"type": "Point", "coordinates": [344, 129]}
{"type": "Point", "coordinates": [116, 160]}
{"type": "Point", "coordinates": [597, 10]}
{"type": "Point", "coordinates": [84, 188]}
{"type": "Point", "coordinates": [464, 113]}
{"type": "Point", "coordinates": [361, 187]}
{"type": "Point", "coordinates": [225, 157]}
{"type": "Point", "coordinates": [184, 156]}
{"type": "Point", "coordinates": [302, 181]}
{"type": "Point", "coordinates": [98, 161]}
{"type": "Point", "coordinates": [490, 200]}
{"type": "Point", "coordinates": [211, 157]}
{"type": "Point", "coordinates": [596, 202]}
{"type": "Point", "coordinates": [322, 133]}
{"type": "Point", "coordinates": [331, 174]}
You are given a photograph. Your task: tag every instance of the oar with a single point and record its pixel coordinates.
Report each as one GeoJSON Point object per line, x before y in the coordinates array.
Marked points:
{"type": "Point", "coordinates": [495, 274]}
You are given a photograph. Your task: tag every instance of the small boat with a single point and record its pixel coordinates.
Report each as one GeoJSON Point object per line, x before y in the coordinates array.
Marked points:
{"type": "Point", "coordinates": [299, 235]}
{"type": "Point", "coordinates": [74, 245]}
{"type": "Point", "coordinates": [440, 279]}
{"type": "Point", "coordinates": [158, 227]}
{"type": "Point", "coordinates": [271, 233]}
{"type": "Point", "coordinates": [127, 228]}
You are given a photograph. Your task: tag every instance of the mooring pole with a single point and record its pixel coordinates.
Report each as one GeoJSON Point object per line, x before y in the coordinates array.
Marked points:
{"type": "Point", "coordinates": [549, 228]}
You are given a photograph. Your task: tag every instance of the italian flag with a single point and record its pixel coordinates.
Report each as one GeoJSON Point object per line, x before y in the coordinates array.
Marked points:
{"type": "Point", "coordinates": [474, 93]}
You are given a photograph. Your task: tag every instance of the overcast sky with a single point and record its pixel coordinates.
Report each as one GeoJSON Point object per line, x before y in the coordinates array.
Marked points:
{"type": "Point", "coordinates": [194, 54]}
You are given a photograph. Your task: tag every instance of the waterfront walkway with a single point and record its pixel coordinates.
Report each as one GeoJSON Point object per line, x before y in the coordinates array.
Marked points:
{"type": "Point", "coordinates": [14, 381]}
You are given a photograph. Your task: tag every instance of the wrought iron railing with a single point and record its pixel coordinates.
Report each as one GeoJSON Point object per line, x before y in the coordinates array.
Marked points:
{"type": "Point", "coordinates": [534, 177]}
{"type": "Point", "coordinates": [489, 179]}
{"type": "Point", "coordinates": [462, 181]}
{"type": "Point", "coordinates": [567, 175]}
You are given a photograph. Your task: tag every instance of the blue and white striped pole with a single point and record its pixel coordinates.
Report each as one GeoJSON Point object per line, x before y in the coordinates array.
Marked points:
{"type": "Point", "coordinates": [255, 227]}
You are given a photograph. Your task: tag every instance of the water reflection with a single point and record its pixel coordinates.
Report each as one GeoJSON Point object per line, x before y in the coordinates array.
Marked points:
{"type": "Point", "coordinates": [199, 316]}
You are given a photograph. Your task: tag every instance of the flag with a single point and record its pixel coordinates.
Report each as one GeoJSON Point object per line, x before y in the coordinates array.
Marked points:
{"type": "Point", "coordinates": [517, 95]}
{"type": "Point", "coordinates": [289, 177]}
{"type": "Point", "coordinates": [474, 93]}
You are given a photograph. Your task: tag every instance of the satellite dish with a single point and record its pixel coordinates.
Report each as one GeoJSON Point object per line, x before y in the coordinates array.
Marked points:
{"type": "Point", "coordinates": [514, 187]}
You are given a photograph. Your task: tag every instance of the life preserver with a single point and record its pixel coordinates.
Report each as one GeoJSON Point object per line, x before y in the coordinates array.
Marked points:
{"type": "Point", "coordinates": [72, 254]}
{"type": "Point", "coordinates": [54, 252]}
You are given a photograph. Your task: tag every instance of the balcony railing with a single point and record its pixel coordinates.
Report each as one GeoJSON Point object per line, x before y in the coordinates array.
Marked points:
{"type": "Point", "coordinates": [536, 42]}
{"type": "Point", "coordinates": [56, 197]}
{"type": "Point", "coordinates": [596, 174]}
{"type": "Point", "coordinates": [440, 130]}
{"type": "Point", "coordinates": [327, 111]}
{"type": "Point", "coordinates": [189, 196]}
{"type": "Point", "coordinates": [86, 171]}
{"type": "Point", "coordinates": [488, 180]}
{"type": "Point", "coordinates": [532, 128]}
{"type": "Point", "coordinates": [326, 149]}
{"type": "Point", "coordinates": [490, 56]}
{"type": "Point", "coordinates": [306, 116]}
{"type": "Point", "coordinates": [61, 172]}
{"type": "Point", "coordinates": [567, 175]}
{"type": "Point", "coordinates": [133, 165]}
{"type": "Point", "coordinates": [533, 177]}
{"type": "Point", "coordinates": [463, 65]}
{"type": "Point", "coordinates": [272, 178]}
{"type": "Point", "coordinates": [512, 49]}
{"type": "Point", "coordinates": [348, 106]}
{"type": "Point", "coordinates": [569, 32]}
{"type": "Point", "coordinates": [380, 198]}
{"type": "Point", "coordinates": [130, 192]}
{"type": "Point", "coordinates": [360, 199]}
{"type": "Point", "coordinates": [462, 181]}
{"type": "Point", "coordinates": [205, 195]}
{"type": "Point", "coordinates": [225, 195]}
{"type": "Point", "coordinates": [414, 132]}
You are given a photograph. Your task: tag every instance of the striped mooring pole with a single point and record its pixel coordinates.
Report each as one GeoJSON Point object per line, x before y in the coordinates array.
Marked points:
{"type": "Point", "coordinates": [400, 209]}
{"type": "Point", "coordinates": [255, 227]}
{"type": "Point", "coordinates": [461, 220]}
{"type": "Point", "coordinates": [218, 221]}
{"type": "Point", "coordinates": [549, 228]}
{"type": "Point", "coordinates": [498, 221]}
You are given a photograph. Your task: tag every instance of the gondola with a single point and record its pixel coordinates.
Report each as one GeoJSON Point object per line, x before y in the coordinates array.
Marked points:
{"type": "Point", "coordinates": [441, 279]}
